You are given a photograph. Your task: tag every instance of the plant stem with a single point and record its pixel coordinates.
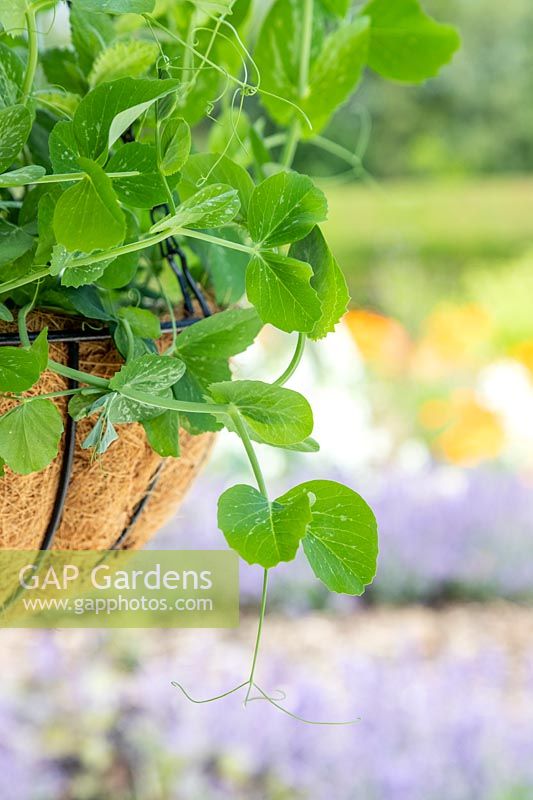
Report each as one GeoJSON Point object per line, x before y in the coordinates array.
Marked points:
{"type": "Point", "coordinates": [258, 636]}
{"type": "Point", "coordinates": [33, 53]}
{"type": "Point", "coordinates": [174, 405]}
{"type": "Point", "coordinates": [294, 362]}
{"type": "Point", "coordinates": [78, 176]}
{"type": "Point", "coordinates": [77, 375]}
{"type": "Point", "coordinates": [129, 336]}
{"type": "Point", "coordinates": [250, 452]}
{"type": "Point", "coordinates": [291, 143]}
{"type": "Point", "coordinates": [8, 286]}
{"type": "Point", "coordinates": [293, 137]}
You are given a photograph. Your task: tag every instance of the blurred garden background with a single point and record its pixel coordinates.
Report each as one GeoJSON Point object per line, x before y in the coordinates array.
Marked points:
{"type": "Point", "coordinates": [424, 404]}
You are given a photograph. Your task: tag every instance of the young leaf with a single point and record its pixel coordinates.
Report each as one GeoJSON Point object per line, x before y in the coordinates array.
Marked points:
{"type": "Point", "coordinates": [328, 281]}
{"type": "Point", "coordinates": [335, 73]}
{"type": "Point", "coordinates": [5, 313]}
{"type": "Point", "coordinates": [162, 433]}
{"type": "Point", "coordinates": [19, 369]}
{"type": "Point", "coordinates": [139, 191]}
{"type": "Point", "coordinates": [209, 168]}
{"type": "Point", "coordinates": [117, 6]}
{"type": "Point", "coordinates": [29, 435]}
{"type": "Point", "coordinates": [284, 208]}
{"type": "Point", "coordinates": [175, 144]}
{"type": "Point", "coordinates": [143, 322]}
{"type": "Point", "coordinates": [206, 346]}
{"type": "Point", "coordinates": [279, 416]}
{"type": "Point", "coordinates": [22, 176]}
{"type": "Point", "coordinates": [280, 289]}
{"type": "Point", "coordinates": [151, 374]}
{"type": "Point", "coordinates": [341, 541]}
{"type": "Point", "coordinates": [210, 207]}
{"type": "Point", "coordinates": [122, 59]}
{"type": "Point", "coordinates": [406, 44]}
{"type": "Point", "coordinates": [106, 112]}
{"type": "Point", "coordinates": [262, 532]}
{"type": "Point", "coordinates": [15, 127]}
{"type": "Point", "coordinates": [88, 215]}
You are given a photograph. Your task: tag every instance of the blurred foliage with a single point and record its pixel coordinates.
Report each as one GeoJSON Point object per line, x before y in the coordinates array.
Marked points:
{"type": "Point", "coordinates": [475, 118]}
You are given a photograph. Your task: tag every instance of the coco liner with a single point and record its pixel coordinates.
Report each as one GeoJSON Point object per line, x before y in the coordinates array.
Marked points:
{"type": "Point", "coordinates": [119, 499]}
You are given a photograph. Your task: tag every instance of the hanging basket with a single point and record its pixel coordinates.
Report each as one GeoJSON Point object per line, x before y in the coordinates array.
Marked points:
{"type": "Point", "coordinates": [79, 502]}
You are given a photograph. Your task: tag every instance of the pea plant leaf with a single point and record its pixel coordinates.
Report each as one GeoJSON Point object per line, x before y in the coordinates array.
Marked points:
{"type": "Point", "coordinates": [328, 281]}
{"type": "Point", "coordinates": [88, 216]}
{"type": "Point", "coordinates": [63, 148]}
{"type": "Point", "coordinates": [279, 416]}
{"type": "Point", "coordinates": [175, 144]}
{"type": "Point", "coordinates": [341, 539]}
{"type": "Point", "coordinates": [139, 191]}
{"type": "Point", "coordinates": [206, 346]}
{"type": "Point", "coordinates": [22, 176]}
{"type": "Point", "coordinates": [123, 59]}
{"type": "Point", "coordinates": [277, 55]}
{"type": "Point", "coordinates": [210, 207]}
{"type": "Point", "coordinates": [108, 110]}
{"type": "Point", "coordinates": [19, 369]}
{"type": "Point", "coordinates": [405, 43]}
{"type": "Point", "coordinates": [284, 208]}
{"type": "Point", "coordinates": [280, 289]}
{"type": "Point", "coordinates": [335, 73]}
{"type": "Point", "coordinates": [12, 15]}
{"type": "Point", "coordinates": [14, 242]}
{"type": "Point", "coordinates": [151, 375]}
{"type": "Point", "coordinates": [143, 322]}
{"type": "Point", "coordinates": [90, 32]}
{"type": "Point", "coordinates": [262, 532]}
{"type": "Point", "coordinates": [30, 435]}
{"type": "Point", "coordinates": [15, 127]}
{"type": "Point", "coordinates": [117, 6]}
{"type": "Point", "coordinates": [209, 168]}
{"type": "Point", "coordinates": [205, 349]}
{"type": "Point", "coordinates": [162, 433]}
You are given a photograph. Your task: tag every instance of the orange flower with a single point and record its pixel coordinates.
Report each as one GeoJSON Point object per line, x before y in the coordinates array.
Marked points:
{"type": "Point", "coordinates": [474, 433]}
{"type": "Point", "coordinates": [382, 341]}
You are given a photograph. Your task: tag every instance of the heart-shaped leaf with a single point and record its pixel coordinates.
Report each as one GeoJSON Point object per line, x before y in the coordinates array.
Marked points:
{"type": "Point", "coordinates": [262, 532]}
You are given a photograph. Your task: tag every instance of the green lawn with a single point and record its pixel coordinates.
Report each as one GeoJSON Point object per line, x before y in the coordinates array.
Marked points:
{"type": "Point", "coordinates": [406, 245]}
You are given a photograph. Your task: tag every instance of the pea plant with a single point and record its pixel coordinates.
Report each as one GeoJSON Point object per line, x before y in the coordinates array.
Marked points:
{"type": "Point", "coordinates": [172, 120]}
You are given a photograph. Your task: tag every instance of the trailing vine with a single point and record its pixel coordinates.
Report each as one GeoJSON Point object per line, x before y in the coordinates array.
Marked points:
{"type": "Point", "coordinates": [99, 137]}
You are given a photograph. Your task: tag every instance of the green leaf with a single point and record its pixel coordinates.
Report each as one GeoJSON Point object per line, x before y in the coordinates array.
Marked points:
{"type": "Point", "coordinates": [30, 435]}
{"type": "Point", "coordinates": [46, 238]}
{"type": "Point", "coordinates": [122, 59]}
{"type": "Point", "coordinates": [206, 346]}
{"type": "Point", "coordinates": [88, 215]}
{"type": "Point", "coordinates": [280, 289]}
{"type": "Point", "coordinates": [22, 176]}
{"type": "Point", "coordinates": [90, 33]}
{"type": "Point", "coordinates": [15, 127]}
{"type": "Point", "coordinates": [152, 374]}
{"type": "Point", "coordinates": [122, 270]}
{"type": "Point", "coordinates": [11, 76]}
{"type": "Point", "coordinates": [5, 313]}
{"type": "Point", "coordinates": [140, 191]}
{"type": "Point", "coordinates": [175, 145]}
{"type": "Point", "coordinates": [63, 148]}
{"type": "Point", "coordinates": [284, 208]}
{"type": "Point", "coordinates": [262, 532]}
{"type": "Point", "coordinates": [190, 389]}
{"type": "Point", "coordinates": [81, 276]}
{"type": "Point", "coordinates": [277, 55]}
{"type": "Point", "coordinates": [12, 15]}
{"type": "Point", "coordinates": [58, 101]}
{"type": "Point", "coordinates": [117, 6]}
{"type": "Point", "coordinates": [335, 73]}
{"type": "Point", "coordinates": [210, 207]}
{"type": "Point", "coordinates": [405, 43]}
{"type": "Point", "coordinates": [279, 416]}
{"type": "Point", "coordinates": [327, 281]}
{"type": "Point", "coordinates": [62, 68]}
{"type": "Point", "coordinates": [226, 268]}
{"type": "Point", "coordinates": [14, 242]}
{"type": "Point", "coordinates": [39, 349]}
{"type": "Point", "coordinates": [107, 111]}
{"type": "Point", "coordinates": [209, 168]}
{"type": "Point", "coordinates": [163, 434]}
{"type": "Point", "coordinates": [19, 369]}
{"type": "Point", "coordinates": [341, 542]}
{"type": "Point", "coordinates": [143, 323]}
{"type": "Point", "coordinates": [338, 8]}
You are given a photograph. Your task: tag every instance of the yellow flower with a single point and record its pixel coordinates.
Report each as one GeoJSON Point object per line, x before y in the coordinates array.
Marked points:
{"type": "Point", "coordinates": [382, 341]}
